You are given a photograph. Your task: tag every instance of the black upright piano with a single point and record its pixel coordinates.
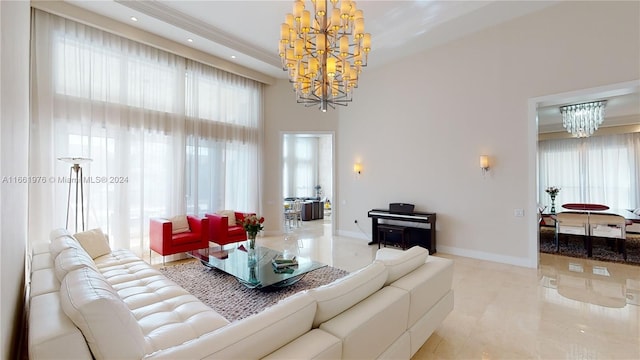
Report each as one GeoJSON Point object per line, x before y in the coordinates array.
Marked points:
{"type": "Point", "coordinates": [403, 216]}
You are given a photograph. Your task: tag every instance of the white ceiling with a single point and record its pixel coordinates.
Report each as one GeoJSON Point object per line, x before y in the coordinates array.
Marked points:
{"type": "Point", "coordinates": [249, 31]}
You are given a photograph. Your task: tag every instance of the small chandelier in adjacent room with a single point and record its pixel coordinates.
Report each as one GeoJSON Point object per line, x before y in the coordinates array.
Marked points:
{"type": "Point", "coordinates": [581, 120]}
{"type": "Point", "coordinates": [324, 51]}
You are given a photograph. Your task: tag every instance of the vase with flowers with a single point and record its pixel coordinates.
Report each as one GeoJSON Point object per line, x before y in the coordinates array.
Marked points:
{"type": "Point", "coordinates": [553, 192]}
{"type": "Point", "coordinates": [252, 224]}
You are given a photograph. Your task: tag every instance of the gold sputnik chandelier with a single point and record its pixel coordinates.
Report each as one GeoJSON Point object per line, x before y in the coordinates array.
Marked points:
{"type": "Point", "coordinates": [324, 51]}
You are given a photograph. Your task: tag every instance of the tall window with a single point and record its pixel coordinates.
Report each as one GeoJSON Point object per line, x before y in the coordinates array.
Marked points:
{"type": "Point", "coordinates": [597, 169]}
{"type": "Point", "coordinates": [167, 135]}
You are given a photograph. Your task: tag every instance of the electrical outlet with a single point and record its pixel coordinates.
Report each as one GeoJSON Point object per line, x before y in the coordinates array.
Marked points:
{"type": "Point", "coordinates": [518, 212]}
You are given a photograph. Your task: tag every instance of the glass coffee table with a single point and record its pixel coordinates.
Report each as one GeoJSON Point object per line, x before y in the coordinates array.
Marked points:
{"type": "Point", "coordinates": [255, 271]}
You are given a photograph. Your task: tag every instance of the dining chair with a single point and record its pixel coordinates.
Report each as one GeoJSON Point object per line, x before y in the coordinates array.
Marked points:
{"type": "Point", "coordinates": [569, 223]}
{"type": "Point", "coordinates": [612, 227]}
{"type": "Point", "coordinates": [297, 212]}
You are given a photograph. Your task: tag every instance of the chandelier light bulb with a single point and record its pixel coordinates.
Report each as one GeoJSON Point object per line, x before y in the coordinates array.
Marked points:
{"type": "Point", "coordinates": [323, 46]}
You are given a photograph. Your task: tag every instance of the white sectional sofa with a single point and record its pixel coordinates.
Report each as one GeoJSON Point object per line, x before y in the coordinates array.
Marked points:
{"type": "Point", "coordinates": [112, 305]}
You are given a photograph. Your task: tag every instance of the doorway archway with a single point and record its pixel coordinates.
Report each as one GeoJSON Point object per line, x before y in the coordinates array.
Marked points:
{"type": "Point", "coordinates": [308, 168]}
{"type": "Point", "coordinates": [534, 105]}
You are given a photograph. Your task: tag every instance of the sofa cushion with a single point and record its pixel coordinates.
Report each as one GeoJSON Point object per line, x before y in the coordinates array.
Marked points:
{"type": "Point", "coordinates": [72, 259]}
{"type": "Point", "coordinates": [426, 285]}
{"type": "Point", "coordinates": [167, 314]}
{"type": "Point", "coordinates": [52, 335]}
{"type": "Point", "coordinates": [253, 337]}
{"type": "Point", "coordinates": [399, 263]}
{"type": "Point", "coordinates": [185, 238]}
{"type": "Point", "coordinates": [40, 247]}
{"type": "Point", "coordinates": [372, 325]}
{"type": "Point", "coordinates": [41, 261]}
{"type": "Point", "coordinates": [94, 242]}
{"type": "Point", "coordinates": [342, 294]}
{"type": "Point", "coordinates": [107, 324]}
{"type": "Point", "coordinates": [62, 243]}
{"type": "Point", "coordinates": [179, 224]}
{"type": "Point", "coordinates": [117, 257]}
{"type": "Point", "coordinates": [44, 281]}
{"type": "Point", "coordinates": [231, 215]}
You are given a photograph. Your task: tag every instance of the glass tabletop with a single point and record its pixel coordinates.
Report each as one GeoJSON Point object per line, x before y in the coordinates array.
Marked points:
{"type": "Point", "coordinates": [257, 271]}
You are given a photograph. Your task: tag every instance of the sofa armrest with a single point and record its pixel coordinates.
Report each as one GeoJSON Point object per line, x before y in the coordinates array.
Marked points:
{"type": "Point", "coordinates": [199, 226]}
{"type": "Point", "coordinates": [159, 229]}
{"type": "Point", "coordinates": [218, 228]}
{"type": "Point", "coordinates": [361, 327]}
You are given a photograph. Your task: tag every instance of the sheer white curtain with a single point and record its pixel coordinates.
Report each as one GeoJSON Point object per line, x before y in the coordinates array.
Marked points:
{"type": "Point", "coordinates": [223, 133]}
{"type": "Point", "coordinates": [144, 117]}
{"type": "Point", "coordinates": [597, 169]}
{"type": "Point", "coordinates": [300, 173]}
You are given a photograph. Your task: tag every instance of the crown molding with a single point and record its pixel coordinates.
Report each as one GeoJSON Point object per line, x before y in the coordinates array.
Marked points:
{"type": "Point", "coordinates": [66, 10]}
{"type": "Point", "coordinates": [176, 18]}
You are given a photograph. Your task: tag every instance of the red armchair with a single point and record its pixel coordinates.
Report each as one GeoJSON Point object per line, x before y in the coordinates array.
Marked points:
{"type": "Point", "coordinates": [164, 242]}
{"type": "Point", "coordinates": [220, 231]}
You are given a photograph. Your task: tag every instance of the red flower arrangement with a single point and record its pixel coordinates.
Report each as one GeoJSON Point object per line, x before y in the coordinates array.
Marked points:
{"type": "Point", "coordinates": [252, 224]}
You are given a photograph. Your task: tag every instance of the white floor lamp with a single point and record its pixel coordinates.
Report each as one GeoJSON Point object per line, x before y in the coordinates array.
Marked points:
{"type": "Point", "coordinates": [79, 180]}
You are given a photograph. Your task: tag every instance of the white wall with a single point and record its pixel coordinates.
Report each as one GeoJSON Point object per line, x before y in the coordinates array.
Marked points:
{"type": "Point", "coordinates": [14, 125]}
{"type": "Point", "coordinates": [420, 125]}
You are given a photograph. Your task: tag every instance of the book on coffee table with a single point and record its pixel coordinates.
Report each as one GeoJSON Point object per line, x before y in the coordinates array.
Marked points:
{"type": "Point", "coordinates": [282, 259]}
{"type": "Point", "coordinates": [277, 265]}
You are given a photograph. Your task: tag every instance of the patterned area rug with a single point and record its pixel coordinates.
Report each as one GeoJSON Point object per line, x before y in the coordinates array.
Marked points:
{"type": "Point", "coordinates": [603, 249]}
{"type": "Point", "coordinates": [233, 300]}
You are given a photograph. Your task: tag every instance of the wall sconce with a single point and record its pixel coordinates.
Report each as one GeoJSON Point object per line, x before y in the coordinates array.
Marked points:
{"type": "Point", "coordinates": [357, 168]}
{"type": "Point", "coordinates": [484, 164]}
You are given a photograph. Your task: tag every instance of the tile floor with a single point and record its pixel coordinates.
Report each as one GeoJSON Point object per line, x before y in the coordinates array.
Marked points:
{"type": "Point", "coordinates": [567, 309]}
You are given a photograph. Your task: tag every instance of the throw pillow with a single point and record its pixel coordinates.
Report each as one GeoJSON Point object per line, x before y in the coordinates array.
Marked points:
{"type": "Point", "coordinates": [179, 224]}
{"type": "Point", "coordinates": [231, 215]}
{"type": "Point", "coordinates": [637, 211]}
{"type": "Point", "coordinates": [93, 242]}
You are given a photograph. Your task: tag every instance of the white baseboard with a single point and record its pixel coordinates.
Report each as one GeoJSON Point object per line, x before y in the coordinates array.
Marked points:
{"type": "Point", "coordinates": [481, 255]}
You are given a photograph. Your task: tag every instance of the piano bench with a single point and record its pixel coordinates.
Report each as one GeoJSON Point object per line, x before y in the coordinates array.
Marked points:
{"type": "Point", "coordinates": [385, 229]}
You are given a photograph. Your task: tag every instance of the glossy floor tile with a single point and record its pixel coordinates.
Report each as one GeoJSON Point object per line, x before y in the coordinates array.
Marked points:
{"type": "Point", "coordinates": [567, 309]}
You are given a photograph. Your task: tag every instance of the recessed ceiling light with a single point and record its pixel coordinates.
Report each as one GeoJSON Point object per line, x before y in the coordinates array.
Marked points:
{"type": "Point", "coordinates": [190, 40]}
{"type": "Point", "coordinates": [133, 18]}
{"type": "Point", "coordinates": [233, 56]}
